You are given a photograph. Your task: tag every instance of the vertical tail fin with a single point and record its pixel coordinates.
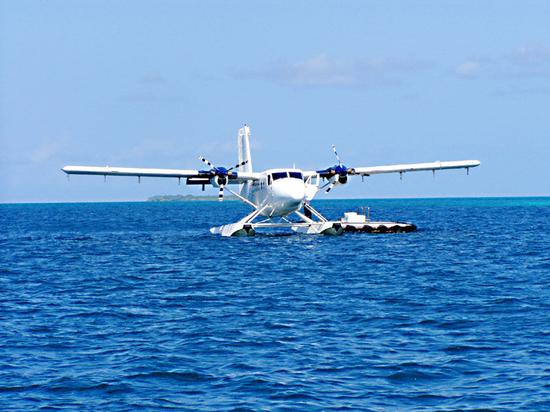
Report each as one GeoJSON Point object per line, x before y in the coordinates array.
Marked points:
{"type": "Point", "coordinates": [243, 144]}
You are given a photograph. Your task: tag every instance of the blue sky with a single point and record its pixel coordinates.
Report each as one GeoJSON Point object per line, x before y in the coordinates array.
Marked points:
{"type": "Point", "coordinates": [158, 83]}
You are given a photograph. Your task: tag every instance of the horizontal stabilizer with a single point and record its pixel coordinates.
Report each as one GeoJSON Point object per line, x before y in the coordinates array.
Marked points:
{"type": "Point", "coordinates": [197, 181]}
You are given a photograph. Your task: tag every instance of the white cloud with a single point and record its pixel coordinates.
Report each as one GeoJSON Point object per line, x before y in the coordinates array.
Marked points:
{"type": "Point", "coordinates": [319, 70]}
{"type": "Point", "coordinates": [533, 55]}
{"type": "Point", "coordinates": [322, 70]}
{"type": "Point", "coordinates": [523, 62]}
{"type": "Point", "coordinates": [468, 69]}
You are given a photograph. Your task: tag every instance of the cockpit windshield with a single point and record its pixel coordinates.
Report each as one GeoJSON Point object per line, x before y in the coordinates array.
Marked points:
{"type": "Point", "coordinates": [295, 175]}
{"type": "Point", "coordinates": [279, 175]}
{"type": "Point", "coordinates": [284, 175]}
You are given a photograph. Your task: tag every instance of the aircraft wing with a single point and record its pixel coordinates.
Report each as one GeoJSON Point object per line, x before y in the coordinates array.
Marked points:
{"type": "Point", "coordinates": [128, 171]}
{"type": "Point", "coordinates": [240, 177]}
{"type": "Point", "coordinates": [415, 167]}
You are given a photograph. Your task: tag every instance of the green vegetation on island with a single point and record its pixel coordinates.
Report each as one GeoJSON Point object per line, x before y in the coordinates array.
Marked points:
{"type": "Point", "coordinates": [185, 198]}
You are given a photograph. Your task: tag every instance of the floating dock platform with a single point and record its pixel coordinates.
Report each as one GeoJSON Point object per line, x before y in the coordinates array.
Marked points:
{"type": "Point", "coordinates": [379, 227]}
{"type": "Point", "coordinates": [355, 222]}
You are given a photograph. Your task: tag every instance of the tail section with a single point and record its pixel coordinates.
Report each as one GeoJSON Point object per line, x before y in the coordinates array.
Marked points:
{"type": "Point", "coordinates": [243, 145]}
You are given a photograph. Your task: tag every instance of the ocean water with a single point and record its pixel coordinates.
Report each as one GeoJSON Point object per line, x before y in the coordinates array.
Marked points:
{"type": "Point", "coordinates": [135, 306]}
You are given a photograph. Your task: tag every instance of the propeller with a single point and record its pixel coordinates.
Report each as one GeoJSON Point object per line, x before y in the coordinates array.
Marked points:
{"type": "Point", "coordinates": [219, 176]}
{"type": "Point", "coordinates": [337, 174]}
{"type": "Point", "coordinates": [336, 154]}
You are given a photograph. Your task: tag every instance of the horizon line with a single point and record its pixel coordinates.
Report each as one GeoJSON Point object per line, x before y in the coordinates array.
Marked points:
{"type": "Point", "coordinates": [214, 198]}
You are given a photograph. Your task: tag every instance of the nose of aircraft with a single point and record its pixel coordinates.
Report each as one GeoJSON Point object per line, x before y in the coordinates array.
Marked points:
{"type": "Point", "coordinates": [292, 190]}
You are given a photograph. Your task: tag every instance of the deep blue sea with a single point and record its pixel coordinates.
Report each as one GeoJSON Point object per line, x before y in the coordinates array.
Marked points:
{"type": "Point", "coordinates": [129, 306]}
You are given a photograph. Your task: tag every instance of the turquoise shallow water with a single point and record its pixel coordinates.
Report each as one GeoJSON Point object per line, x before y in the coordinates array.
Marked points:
{"type": "Point", "coordinates": [125, 306]}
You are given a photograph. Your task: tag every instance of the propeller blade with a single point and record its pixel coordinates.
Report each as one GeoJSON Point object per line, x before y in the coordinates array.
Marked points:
{"type": "Point", "coordinates": [330, 187]}
{"type": "Point", "coordinates": [205, 161]}
{"type": "Point", "coordinates": [220, 193]}
{"type": "Point", "coordinates": [238, 165]}
{"type": "Point", "coordinates": [336, 154]}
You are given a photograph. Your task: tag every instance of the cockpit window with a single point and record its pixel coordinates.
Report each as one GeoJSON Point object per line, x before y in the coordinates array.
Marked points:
{"type": "Point", "coordinates": [279, 175]}
{"type": "Point", "coordinates": [295, 175]}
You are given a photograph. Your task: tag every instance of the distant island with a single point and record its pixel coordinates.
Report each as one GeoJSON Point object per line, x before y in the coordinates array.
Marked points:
{"type": "Point", "coordinates": [185, 198]}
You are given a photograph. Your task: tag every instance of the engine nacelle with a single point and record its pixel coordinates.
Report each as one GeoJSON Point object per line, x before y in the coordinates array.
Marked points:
{"type": "Point", "coordinates": [218, 181]}
{"type": "Point", "coordinates": [342, 179]}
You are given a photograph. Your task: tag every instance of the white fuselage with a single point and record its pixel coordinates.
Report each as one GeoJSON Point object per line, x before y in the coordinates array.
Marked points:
{"type": "Point", "coordinates": [278, 192]}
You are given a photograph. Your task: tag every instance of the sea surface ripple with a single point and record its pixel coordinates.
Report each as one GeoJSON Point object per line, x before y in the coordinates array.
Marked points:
{"type": "Point", "coordinates": [125, 306]}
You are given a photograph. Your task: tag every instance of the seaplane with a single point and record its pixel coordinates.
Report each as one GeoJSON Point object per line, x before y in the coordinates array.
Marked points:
{"type": "Point", "coordinates": [279, 198]}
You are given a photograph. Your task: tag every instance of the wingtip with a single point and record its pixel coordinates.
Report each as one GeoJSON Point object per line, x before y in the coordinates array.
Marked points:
{"type": "Point", "coordinates": [68, 169]}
